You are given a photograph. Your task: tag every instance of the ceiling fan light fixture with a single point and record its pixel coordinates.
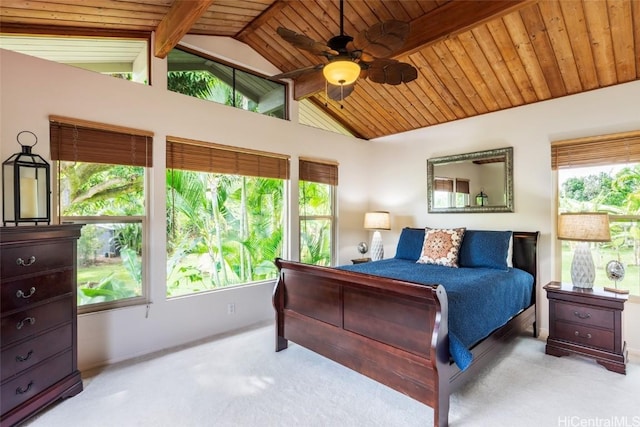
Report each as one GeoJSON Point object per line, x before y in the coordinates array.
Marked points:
{"type": "Point", "coordinates": [341, 72]}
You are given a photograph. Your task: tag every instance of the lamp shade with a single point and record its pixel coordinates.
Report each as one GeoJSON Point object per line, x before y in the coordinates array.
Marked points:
{"type": "Point", "coordinates": [584, 227]}
{"type": "Point", "coordinates": [341, 72]}
{"type": "Point", "coordinates": [378, 220]}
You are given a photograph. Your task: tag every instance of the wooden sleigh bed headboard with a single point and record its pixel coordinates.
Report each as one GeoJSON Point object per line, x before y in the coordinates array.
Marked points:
{"type": "Point", "coordinates": [392, 331]}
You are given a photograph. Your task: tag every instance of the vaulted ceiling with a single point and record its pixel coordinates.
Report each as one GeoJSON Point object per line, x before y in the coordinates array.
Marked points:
{"type": "Point", "coordinates": [473, 57]}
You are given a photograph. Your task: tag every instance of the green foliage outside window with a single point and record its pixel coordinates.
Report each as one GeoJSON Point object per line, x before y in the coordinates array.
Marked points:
{"type": "Point", "coordinates": [222, 230]}
{"type": "Point", "coordinates": [618, 193]}
{"type": "Point", "coordinates": [109, 250]}
{"type": "Point", "coordinates": [316, 221]}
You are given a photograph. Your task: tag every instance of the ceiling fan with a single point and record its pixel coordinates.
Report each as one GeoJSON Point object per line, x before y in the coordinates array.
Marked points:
{"type": "Point", "coordinates": [365, 56]}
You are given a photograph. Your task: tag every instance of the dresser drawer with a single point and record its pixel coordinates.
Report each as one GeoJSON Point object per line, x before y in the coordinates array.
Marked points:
{"type": "Point", "coordinates": [24, 292]}
{"type": "Point", "coordinates": [585, 335]}
{"type": "Point", "coordinates": [35, 380]}
{"type": "Point", "coordinates": [584, 314]}
{"type": "Point", "coordinates": [25, 355]}
{"type": "Point", "coordinates": [33, 320]}
{"type": "Point", "coordinates": [36, 258]}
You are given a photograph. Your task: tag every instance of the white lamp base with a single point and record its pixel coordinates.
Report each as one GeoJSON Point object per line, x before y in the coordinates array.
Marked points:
{"type": "Point", "coordinates": [583, 270]}
{"type": "Point", "coordinates": [377, 250]}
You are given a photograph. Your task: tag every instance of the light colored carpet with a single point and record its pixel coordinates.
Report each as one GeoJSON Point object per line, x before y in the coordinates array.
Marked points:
{"type": "Point", "coordinates": [239, 380]}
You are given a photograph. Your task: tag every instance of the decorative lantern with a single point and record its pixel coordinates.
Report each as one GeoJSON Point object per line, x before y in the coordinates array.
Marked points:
{"type": "Point", "coordinates": [26, 186]}
{"type": "Point", "coordinates": [482, 199]}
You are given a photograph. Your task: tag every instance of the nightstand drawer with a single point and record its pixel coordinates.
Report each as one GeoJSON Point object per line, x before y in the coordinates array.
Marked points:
{"type": "Point", "coordinates": [27, 354]}
{"type": "Point", "coordinates": [33, 320]}
{"type": "Point", "coordinates": [36, 380]}
{"type": "Point", "coordinates": [584, 314]}
{"type": "Point", "coordinates": [30, 259]}
{"type": "Point", "coordinates": [585, 335]}
{"type": "Point", "coordinates": [24, 292]}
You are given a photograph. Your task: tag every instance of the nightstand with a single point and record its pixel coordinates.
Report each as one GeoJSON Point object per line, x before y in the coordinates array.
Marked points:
{"type": "Point", "coordinates": [360, 260]}
{"type": "Point", "coordinates": [587, 322]}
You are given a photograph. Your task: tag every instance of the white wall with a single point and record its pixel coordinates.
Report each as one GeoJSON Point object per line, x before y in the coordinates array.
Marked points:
{"type": "Point", "coordinates": [400, 163]}
{"type": "Point", "coordinates": [388, 173]}
{"type": "Point", "coordinates": [33, 89]}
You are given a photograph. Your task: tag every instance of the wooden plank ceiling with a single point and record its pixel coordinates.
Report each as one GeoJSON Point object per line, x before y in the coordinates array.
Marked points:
{"type": "Point", "coordinates": [471, 60]}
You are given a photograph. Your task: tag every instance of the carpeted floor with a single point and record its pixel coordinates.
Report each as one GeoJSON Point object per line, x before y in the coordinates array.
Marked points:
{"type": "Point", "coordinates": [238, 380]}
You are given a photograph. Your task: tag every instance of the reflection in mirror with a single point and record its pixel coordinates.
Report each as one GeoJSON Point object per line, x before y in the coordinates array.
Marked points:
{"type": "Point", "coordinates": [474, 182]}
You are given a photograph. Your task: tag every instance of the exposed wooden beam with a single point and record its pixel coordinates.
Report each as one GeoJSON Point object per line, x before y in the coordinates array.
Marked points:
{"type": "Point", "coordinates": [446, 21]}
{"type": "Point", "coordinates": [177, 22]}
{"type": "Point", "coordinates": [269, 13]}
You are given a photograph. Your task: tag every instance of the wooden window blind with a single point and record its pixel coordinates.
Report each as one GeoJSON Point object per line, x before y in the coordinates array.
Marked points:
{"type": "Point", "coordinates": [213, 158]}
{"type": "Point", "coordinates": [443, 184]}
{"type": "Point", "coordinates": [84, 141]}
{"type": "Point", "coordinates": [596, 150]}
{"type": "Point", "coordinates": [320, 171]}
{"type": "Point", "coordinates": [462, 186]}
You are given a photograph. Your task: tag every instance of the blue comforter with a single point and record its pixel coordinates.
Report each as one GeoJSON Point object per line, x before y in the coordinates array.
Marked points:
{"type": "Point", "coordinates": [480, 299]}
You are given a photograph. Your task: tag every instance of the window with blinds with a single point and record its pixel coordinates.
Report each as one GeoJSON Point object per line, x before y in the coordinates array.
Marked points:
{"type": "Point", "coordinates": [199, 156]}
{"type": "Point", "coordinates": [101, 171]}
{"type": "Point", "coordinates": [225, 215]}
{"type": "Point", "coordinates": [596, 150]}
{"type": "Point", "coordinates": [602, 173]}
{"type": "Point", "coordinates": [318, 180]}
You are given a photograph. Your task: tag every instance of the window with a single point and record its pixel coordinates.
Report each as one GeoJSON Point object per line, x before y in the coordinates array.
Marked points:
{"type": "Point", "coordinates": [206, 78]}
{"type": "Point", "coordinates": [317, 185]}
{"type": "Point", "coordinates": [225, 215]}
{"type": "Point", "coordinates": [603, 174]}
{"type": "Point", "coordinates": [122, 57]}
{"type": "Point", "coordinates": [443, 195]}
{"type": "Point", "coordinates": [462, 192]}
{"type": "Point", "coordinates": [101, 183]}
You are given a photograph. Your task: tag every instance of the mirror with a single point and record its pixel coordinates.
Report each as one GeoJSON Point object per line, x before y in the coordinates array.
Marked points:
{"type": "Point", "coordinates": [474, 182]}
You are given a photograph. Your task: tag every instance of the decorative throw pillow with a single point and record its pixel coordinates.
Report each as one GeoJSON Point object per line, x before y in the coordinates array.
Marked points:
{"type": "Point", "coordinates": [441, 246]}
{"type": "Point", "coordinates": [487, 249]}
{"type": "Point", "coordinates": [410, 243]}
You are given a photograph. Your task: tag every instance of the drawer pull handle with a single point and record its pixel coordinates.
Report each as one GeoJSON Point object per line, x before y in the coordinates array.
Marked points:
{"type": "Point", "coordinates": [24, 263]}
{"type": "Point", "coordinates": [21, 294]}
{"type": "Point", "coordinates": [582, 315]}
{"type": "Point", "coordinates": [30, 320]}
{"type": "Point", "coordinates": [24, 358]}
{"type": "Point", "coordinates": [21, 390]}
{"type": "Point", "coordinates": [588, 336]}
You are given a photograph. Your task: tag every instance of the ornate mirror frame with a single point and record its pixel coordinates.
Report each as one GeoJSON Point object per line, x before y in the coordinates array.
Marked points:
{"type": "Point", "coordinates": [470, 157]}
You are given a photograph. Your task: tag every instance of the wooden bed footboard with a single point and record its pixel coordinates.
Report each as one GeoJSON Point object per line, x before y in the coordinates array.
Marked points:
{"type": "Point", "coordinates": [392, 331]}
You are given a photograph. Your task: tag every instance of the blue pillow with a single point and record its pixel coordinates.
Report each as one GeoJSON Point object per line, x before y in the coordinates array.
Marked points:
{"type": "Point", "coordinates": [487, 249]}
{"type": "Point", "coordinates": [410, 243]}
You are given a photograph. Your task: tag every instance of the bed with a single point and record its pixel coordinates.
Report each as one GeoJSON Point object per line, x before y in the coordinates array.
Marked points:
{"type": "Point", "coordinates": [397, 330]}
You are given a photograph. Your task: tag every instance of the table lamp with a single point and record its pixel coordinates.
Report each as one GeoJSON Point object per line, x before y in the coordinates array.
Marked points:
{"type": "Point", "coordinates": [583, 228]}
{"type": "Point", "coordinates": [377, 221]}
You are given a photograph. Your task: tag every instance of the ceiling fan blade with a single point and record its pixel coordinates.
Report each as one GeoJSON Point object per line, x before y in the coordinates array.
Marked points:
{"type": "Point", "coordinates": [391, 72]}
{"type": "Point", "coordinates": [306, 43]}
{"type": "Point", "coordinates": [338, 93]}
{"type": "Point", "coordinates": [382, 39]}
{"type": "Point", "coordinates": [300, 71]}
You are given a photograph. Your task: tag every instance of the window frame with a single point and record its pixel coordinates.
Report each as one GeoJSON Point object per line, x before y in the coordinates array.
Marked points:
{"type": "Point", "coordinates": [53, 32]}
{"type": "Point", "coordinates": [206, 157]}
{"type": "Point", "coordinates": [236, 67]}
{"type": "Point", "coordinates": [145, 298]}
{"type": "Point", "coordinates": [330, 177]}
{"type": "Point", "coordinates": [594, 151]}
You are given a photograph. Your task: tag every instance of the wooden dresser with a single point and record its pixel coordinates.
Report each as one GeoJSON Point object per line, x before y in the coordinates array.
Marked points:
{"type": "Point", "coordinates": [587, 322]}
{"type": "Point", "coordinates": [39, 318]}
